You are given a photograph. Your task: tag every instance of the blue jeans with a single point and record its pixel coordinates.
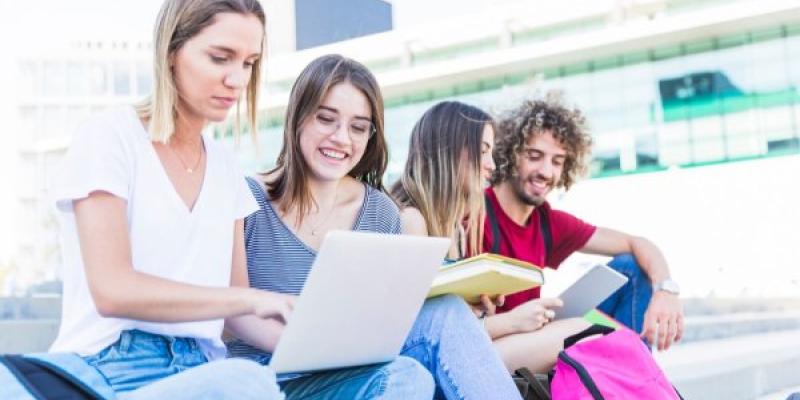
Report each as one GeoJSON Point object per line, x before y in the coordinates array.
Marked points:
{"type": "Point", "coordinates": [451, 343]}
{"type": "Point", "coordinates": [628, 304]}
{"type": "Point", "coordinates": [403, 378]}
{"type": "Point", "coordinates": [143, 365]}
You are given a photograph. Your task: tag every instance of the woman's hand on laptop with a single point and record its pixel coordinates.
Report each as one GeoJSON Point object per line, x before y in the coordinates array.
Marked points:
{"type": "Point", "coordinates": [267, 304]}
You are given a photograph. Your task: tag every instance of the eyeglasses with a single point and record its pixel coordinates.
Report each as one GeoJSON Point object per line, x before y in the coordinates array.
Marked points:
{"type": "Point", "coordinates": [360, 130]}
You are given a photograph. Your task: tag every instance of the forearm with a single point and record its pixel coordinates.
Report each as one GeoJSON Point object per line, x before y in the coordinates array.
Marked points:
{"type": "Point", "coordinates": [260, 333]}
{"type": "Point", "coordinates": [650, 259]}
{"type": "Point", "coordinates": [135, 295]}
{"type": "Point", "coordinates": [499, 325]}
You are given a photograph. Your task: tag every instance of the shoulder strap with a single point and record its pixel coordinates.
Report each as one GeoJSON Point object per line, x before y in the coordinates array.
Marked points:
{"type": "Point", "coordinates": [538, 385]}
{"type": "Point", "coordinates": [45, 381]}
{"type": "Point", "coordinates": [590, 331]}
{"type": "Point", "coordinates": [544, 226]}
{"type": "Point", "coordinates": [490, 215]}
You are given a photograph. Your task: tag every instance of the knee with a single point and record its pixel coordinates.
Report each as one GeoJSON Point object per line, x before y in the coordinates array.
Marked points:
{"type": "Point", "coordinates": [626, 263]}
{"type": "Point", "coordinates": [448, 304]}
{"type": "Point", "coordinates": [407, 375]}
{"type": "Point", "coordinates": [247, 379]}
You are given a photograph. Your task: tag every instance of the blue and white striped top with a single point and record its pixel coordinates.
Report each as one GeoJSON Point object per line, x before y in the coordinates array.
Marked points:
{"type": "Point", "coordinates": [278, 261]}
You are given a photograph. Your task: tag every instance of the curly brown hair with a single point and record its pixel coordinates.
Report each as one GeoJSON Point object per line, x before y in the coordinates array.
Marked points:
{"type": "Point", "coordinates": [568, 127]}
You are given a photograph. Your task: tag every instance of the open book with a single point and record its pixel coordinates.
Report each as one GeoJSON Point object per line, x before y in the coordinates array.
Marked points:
{"type": "Point", "coordinates": [489, 274]}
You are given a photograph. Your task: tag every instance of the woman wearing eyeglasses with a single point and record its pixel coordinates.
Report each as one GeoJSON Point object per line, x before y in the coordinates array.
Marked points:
{"type": "Point", "coordinates": [329, 177]}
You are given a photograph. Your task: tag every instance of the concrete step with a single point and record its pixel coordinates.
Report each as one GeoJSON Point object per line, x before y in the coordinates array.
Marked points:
{"type": "Point", "coordinates": [27, 335]}
{"type": "Point", "coordinates": [40, 306]}
{"type": "Point", "coordinates": [781, 394]}
{"type": "Point", "coordinates": [743, 367]}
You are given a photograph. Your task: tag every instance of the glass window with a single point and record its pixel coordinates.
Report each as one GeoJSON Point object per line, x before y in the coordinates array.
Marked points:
{"type": "Point", "coordinates": [793, 61]}
{"type": "Point", "coordinates": [77, 78]}
{"type": "Point", "coordinates": [30, 79]}
{"type": "Point", "coordinates": [707, 139]}
{"type": "Point", "coordinates": [53, 121]}
{"type": "Point", "coordinates": [74, 116]}
{"type": "Point", "coordinates": [144, 79]}
{"type": "Point", "coordinates": [646, 144]}
{"type": "Point", "coordinates": [30, 122]}
{"type": "Point", "coordinates": [673, 143]}
{"type": "Point", "coordinates": [122, 78]}
{"type": "Point", "coordinates": [769, 66]}
{"type": "Point", "coordinates": [55, 80]}
{"type": "Point", "coordinates": [98, 81]}
{"type": "Point", "coordinates": [775, 123]}
{"type": "Point", "coordinates": [742, 134]}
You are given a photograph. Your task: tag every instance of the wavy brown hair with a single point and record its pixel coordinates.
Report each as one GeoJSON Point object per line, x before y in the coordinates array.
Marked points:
{"type": "Point", "coordinates": [533, 117]}
{"type": "Point", "coordinates": [287, 183]}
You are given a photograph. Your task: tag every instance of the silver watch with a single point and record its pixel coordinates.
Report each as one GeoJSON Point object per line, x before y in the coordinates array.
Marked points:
{"type": "Point", "coordinates": [667, 285]}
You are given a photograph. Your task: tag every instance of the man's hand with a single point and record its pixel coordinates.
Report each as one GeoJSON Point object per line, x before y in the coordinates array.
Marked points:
{"type": "Point", "coordinates": [665, 316]}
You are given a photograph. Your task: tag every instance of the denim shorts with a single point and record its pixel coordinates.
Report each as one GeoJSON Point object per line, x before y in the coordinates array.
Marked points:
{"type": "Point", "coordinates": [139, 358]}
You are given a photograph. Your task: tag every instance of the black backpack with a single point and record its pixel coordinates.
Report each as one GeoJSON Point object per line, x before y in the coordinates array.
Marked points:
{"type": "Point", "coordinates": [42, 380]}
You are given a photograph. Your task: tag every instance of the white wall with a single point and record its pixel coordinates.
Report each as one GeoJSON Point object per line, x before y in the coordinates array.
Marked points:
{"type": "Point", "coordinates": [727, 229]}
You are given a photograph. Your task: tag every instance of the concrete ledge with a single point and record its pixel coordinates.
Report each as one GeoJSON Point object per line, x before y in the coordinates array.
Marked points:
{"type": "Point", "coordinates": [27, 335]}
{"type": "Point", "coordinates": [712, 327]}
{"type": "Point", "coordinates": [34, 307]}
{"type": "Point", "coordinates": [742, 367]}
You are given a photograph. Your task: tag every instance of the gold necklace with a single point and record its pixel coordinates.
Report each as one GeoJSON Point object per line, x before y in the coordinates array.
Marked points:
{"type": "Point", "coordinates": [196, 163]}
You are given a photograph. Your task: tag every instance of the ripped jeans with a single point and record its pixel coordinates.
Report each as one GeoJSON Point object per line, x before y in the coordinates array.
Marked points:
{"type": "Point", "coordinates": [450, 342]}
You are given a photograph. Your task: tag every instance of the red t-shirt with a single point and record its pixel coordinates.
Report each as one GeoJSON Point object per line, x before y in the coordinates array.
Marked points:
{"type": "Point", "coordinates": [568, 234]}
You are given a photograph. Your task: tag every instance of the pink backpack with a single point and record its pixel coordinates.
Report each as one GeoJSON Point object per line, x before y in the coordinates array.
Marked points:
{"type": "Point", "coordinates": [616, 365]}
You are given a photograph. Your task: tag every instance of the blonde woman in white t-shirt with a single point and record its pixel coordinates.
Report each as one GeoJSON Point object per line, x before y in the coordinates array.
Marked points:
{"type": "Point", "coordinates": [151, 221]}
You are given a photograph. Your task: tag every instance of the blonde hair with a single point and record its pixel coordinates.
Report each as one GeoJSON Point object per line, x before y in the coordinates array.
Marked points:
{"type": "Point", "coordinates": [434, 176]}
{"type": "Point", "coordinates": [177, 22]}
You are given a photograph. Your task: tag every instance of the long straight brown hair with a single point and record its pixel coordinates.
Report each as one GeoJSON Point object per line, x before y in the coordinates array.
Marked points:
{"type": "Point", "coordinates": [444, 154]}
{"type": "Point", "coordinates": [289, 187]}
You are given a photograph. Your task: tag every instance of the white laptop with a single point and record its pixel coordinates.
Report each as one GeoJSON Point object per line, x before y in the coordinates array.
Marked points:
{"type": "Point", "coordinates": [359, 302]}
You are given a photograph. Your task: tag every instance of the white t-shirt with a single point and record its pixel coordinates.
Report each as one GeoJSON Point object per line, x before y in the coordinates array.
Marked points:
{"type": "Point", "coordinates": [113, 153]}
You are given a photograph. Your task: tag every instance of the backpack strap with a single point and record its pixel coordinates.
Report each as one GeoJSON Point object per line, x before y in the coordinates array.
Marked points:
{"type": "Point", "coordinates": [45, 380]}
{"type": "Point", "coordinates": [544, 227]}
{"type": "Point", "coordinates": [536, 386]}
{"type": "Point", "coordinates": [590, 331]}
{"type": "Point", "coordinates": [490, 215]}
{"type": "Point", "coordinates": [583, 375]}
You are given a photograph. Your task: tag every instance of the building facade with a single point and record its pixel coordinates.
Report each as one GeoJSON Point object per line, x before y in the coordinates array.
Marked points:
{"type": "Point", "coordinates": [676, 93]}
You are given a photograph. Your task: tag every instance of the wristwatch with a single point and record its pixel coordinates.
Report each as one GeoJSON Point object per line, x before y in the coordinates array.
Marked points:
{"type": "Point", "coordinates": [667, 285]}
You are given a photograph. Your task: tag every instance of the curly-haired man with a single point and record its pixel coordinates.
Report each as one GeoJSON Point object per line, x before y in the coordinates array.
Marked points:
{"type": "Point", "coordinates": [541, 146]}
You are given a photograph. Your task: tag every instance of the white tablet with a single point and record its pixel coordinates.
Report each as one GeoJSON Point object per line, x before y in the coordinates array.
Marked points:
{"type": "Point", "coordinates": [590, 289]}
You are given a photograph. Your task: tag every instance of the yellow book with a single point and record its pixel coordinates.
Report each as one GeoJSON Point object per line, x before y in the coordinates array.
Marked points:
{"type": "Point", "coordinates": [490, 274]}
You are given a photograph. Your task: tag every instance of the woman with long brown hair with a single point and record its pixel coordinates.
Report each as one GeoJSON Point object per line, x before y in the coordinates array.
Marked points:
{"type": "Point", "coordinates": [329, 177]}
